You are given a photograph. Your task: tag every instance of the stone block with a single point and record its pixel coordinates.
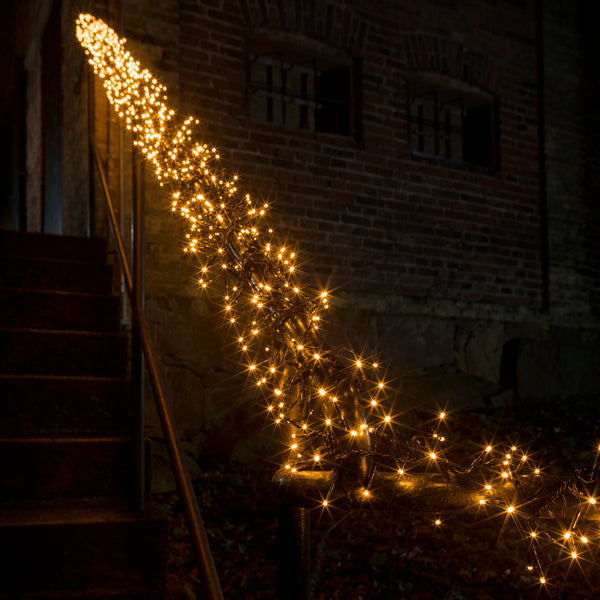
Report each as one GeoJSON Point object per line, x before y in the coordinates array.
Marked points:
{"type": "Point", "coordinates": [548, 369]}
{"type": "Point", "coordinates": [436, 389]}
{"type": "Point", "coordinates": [162, 480]}
{"type": "Point", "coordinates": [480, 350]}
{"type": "Point", "coordinates": [404, 342]}
{"type": "Point", "coordinates": [354, 327]}
{"type": "Point", "coordinates": [413, 342]}
{"type": "Point", "coordinates": [243, 435]}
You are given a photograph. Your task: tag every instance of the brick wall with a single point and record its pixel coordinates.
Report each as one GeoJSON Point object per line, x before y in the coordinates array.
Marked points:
{"type": "Point", "coordinates": [441, 264]}
{"type": "Point", "coordinates": [572, 160]}
{"type": "Point", "coordinates": [369, 215]}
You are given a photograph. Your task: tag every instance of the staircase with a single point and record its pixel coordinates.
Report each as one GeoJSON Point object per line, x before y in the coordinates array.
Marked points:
{"type": "Point", "coordinates": [67, 529]}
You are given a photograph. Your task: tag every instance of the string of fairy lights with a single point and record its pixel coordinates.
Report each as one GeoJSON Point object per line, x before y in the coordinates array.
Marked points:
{"type": "Point", "coordinates": [332, 406]}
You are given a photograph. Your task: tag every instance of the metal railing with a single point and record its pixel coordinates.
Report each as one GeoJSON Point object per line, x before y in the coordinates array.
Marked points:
{"type": "Point", "coordinates": [141, 336]}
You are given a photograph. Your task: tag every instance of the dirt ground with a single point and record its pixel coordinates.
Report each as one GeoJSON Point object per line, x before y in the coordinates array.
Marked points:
{"type": "Point", "coordinates": [368, 554]}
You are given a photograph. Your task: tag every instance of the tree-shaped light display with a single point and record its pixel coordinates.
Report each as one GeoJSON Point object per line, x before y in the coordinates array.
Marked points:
{"type": "Point", "coordinates": [343, 445]}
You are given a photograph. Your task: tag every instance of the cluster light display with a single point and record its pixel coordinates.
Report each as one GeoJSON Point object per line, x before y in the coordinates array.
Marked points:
{"type": "Point", "coordinates": [343, 444]}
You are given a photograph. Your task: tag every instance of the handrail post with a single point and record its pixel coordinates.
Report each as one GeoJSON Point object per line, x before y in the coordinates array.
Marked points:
{"type": "Point", "coordinates": [91, 220]}
{"type": "Point", "coordinates": [199, 539]}
{"type": "Point", "coordinates": [137, 355]}
{"type": "Point", "coordinates": [293, 552]}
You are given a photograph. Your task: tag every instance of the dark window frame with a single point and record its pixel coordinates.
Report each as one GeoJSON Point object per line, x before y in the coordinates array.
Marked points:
{"type": "Point", "coordinates": [300, 90]}
{"type": "Point", "coordinates": [452, 121]}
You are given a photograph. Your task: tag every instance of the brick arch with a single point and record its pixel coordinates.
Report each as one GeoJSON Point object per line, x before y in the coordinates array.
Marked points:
{"type": "Point", "coordinates": [335, 25]}
{"type": "Point", "coordinates": [430, 52]}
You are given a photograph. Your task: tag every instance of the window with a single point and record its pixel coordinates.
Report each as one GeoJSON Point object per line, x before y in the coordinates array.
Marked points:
{"type": "Point", "coordinates": [452, 121]}
{"type": "Point", "coordinates": [298, 91]}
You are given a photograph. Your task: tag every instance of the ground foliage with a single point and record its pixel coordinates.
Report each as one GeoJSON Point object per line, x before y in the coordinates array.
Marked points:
{"type": "Point", "coordinates": [368, 554]}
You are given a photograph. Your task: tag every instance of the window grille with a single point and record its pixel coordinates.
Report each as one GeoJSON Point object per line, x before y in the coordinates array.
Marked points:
{"type": "Point", "coordinates": [452, 124]}
{"type": "Point", "coordinates": [300, 92]}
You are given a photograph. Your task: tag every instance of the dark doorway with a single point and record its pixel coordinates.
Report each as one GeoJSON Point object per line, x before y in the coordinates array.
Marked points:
{"type": "Point", "coordinates": [12, 154]}
{"type": "Point", "coordinates": [52, 122]}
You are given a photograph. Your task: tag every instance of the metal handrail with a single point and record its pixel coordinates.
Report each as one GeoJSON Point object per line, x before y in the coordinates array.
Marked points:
{"type": "Point", "coordinates": [206, 565]}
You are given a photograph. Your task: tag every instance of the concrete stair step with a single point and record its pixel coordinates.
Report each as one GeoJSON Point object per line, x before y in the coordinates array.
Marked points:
{"type": "Point", "coordinates": [59, 275]}
{"type": "Point", "coordinates": [65, 467]}
{"type": "Point", "coordinates": [121, 593]}
{"type": "Point", "coordinates": [83, 353]}
{"type": "Point", "coordinates": [35, 309]}
{"type": "Point", "coordinates": [83, 549]}
{"type": "Point", "coordinates": [66, 459]}
{"type": "Point", "coordinates": [57, 247]}
{"type": "Point", "coordinates": [49, 405]}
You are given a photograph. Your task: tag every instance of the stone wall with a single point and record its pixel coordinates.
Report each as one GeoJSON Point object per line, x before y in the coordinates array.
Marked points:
{"type": "Point", "coordinates": [464, 359]}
